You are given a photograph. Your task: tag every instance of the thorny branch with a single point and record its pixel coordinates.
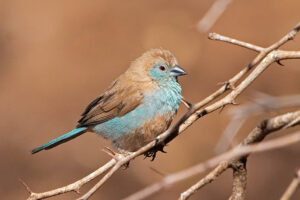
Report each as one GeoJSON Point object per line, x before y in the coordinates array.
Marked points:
{"type": "Point", "coordinates": [71, 187]}
{"type": "Point", "coordinates": [264, 59]}
{"type": "Point", "coordinates": [224, 161]}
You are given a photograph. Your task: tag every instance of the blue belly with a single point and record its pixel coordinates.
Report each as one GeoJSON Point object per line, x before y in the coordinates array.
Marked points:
{"type": "Point", "coordinates": [159, 102]}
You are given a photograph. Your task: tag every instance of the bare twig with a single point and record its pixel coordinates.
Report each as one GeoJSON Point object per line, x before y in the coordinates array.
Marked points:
{"type": "Point", "coordinates": [223, 160]}
{"type": "Point", "coordinates": [173, 132]}
{"type": "Point", "coordinates": [26, 186]}
{"type": "Point", "coordinates": [267, 57]}
{"type": "Point", "coordinates": [258, 134]}
{"type": "Point", "coordinates": [74, 186]}
{"type": "Point", "coordinates": [186, 103]}
{"type": "Point", "coordinates": [292, 187]}
{"type": "Point", "coordinates": [216, 36]}
{"type": "Point", "coordinates": [263, 52]}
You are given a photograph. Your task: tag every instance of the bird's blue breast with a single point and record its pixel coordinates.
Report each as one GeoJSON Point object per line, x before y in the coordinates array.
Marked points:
{"type": "Point", "coordinates": [159, 101]}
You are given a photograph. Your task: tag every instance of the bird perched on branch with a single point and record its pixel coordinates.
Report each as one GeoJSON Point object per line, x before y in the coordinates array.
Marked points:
{"type": "Point", "coordinates": [137, 106]}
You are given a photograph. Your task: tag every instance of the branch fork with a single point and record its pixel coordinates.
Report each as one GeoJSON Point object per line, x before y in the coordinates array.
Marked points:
{"type": "Point", "coordinates": [262, 61]}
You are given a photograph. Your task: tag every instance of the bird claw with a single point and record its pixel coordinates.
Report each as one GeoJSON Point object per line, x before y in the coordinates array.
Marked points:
{"type": "Point", "coordinates": [126, 165]}
{"type": "Point", "coordinates": [149, 154]}
{"type": "Point", "coordinates": [117, 155]}
{"type": "Point", "coordinates": [152, 152]}
{"type": "Point", "coordinates": [279, 63]}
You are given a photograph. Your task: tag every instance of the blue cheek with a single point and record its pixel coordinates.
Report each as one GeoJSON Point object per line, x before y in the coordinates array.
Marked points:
{"type": "Point", "coordinates": [157, 74]}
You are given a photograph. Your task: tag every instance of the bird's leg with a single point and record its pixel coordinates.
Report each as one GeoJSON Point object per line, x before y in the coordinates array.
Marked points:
{"type": "Point", "coordinates": [124, 153]}
{"type": "Point", "coordinates": [152, 152]}
{"type": "Point", "coordinates": [120, 154]}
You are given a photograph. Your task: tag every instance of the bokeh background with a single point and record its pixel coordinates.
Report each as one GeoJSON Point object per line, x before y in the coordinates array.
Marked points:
{"type": "Point", "coordinates": [56, 56]}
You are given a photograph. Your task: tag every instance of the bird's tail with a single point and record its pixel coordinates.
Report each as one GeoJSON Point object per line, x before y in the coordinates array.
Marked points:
{"type": "Point", "coordinates": [64, 138]}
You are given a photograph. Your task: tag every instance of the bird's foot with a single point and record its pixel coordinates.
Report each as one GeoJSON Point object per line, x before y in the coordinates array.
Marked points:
{"type": "Point", "coordinates": [117, 155]}
{"type": "Point", "coordinates": [152, 152]}
{"type": "Point", "coordinates": [124, 153]}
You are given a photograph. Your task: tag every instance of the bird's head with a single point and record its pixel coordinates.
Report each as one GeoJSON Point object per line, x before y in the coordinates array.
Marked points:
{"type": "Point", "coordinates": [158, 65]}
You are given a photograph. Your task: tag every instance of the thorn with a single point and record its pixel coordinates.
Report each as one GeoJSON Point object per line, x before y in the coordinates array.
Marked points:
{"type": "Point", "coordinates": [26, 186]}
{"type": "Point", "coordinates": [221, 109]}
{"type": "Point", "coordinates": [279, 63]}
{"type": "Point", "coordinates": [249, 66]}
{"type": "Point", "coordinates": [77, 190]}
{"type": "Point", "coordinates": [234, 103]}
{"type": "Point", "coordinates": [186, 103]}
{"type": "Point", "coordinates": [290, 37]}
{"type": "Point", "coordinates": [228, 85]}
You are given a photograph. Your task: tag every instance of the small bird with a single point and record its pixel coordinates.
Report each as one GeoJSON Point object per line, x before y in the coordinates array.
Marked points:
{"type": "Point", "coordinates": [138, 106]}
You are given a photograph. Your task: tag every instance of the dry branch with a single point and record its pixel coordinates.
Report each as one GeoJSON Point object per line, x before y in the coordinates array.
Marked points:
{"type": "Point", "coordinates": [224, 160]}
{"type": "Point", "coordinates": [71, 187]}
{"type": "Point", "coordinates": [265, 58]}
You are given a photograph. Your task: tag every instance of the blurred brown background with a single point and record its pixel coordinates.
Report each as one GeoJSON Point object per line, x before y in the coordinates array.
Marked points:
{"type": "Point", "coordinates": [56, 56]}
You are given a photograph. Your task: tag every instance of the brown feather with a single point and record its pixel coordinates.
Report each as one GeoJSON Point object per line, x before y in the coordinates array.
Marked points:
{"type": "Point", "coordinates": [116, 101]}
{"type": "Point", "coordinates": [145, 134]}
{"type": "Point", "coordinates": [126, 93]}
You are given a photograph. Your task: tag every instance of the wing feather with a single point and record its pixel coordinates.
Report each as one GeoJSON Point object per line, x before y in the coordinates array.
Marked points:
{"type": "Point", "coordinates": [118, 100]}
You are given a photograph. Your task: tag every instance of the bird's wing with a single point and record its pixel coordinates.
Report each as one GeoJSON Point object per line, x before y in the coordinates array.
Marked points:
{"type": "Point", "coordinates": [118, 100]}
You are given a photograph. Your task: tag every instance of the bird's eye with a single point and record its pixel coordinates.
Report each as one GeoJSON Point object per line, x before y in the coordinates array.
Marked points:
{"type": "Point", "coordinates": [162, 68]}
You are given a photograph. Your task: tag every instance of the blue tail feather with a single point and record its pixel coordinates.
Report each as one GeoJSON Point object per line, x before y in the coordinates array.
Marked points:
{"type": "Point", "coordinates": [64, 138]}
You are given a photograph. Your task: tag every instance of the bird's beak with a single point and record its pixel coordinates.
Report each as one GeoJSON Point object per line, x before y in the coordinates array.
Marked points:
{"type": "Point", "coordinates": [177, 71]}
